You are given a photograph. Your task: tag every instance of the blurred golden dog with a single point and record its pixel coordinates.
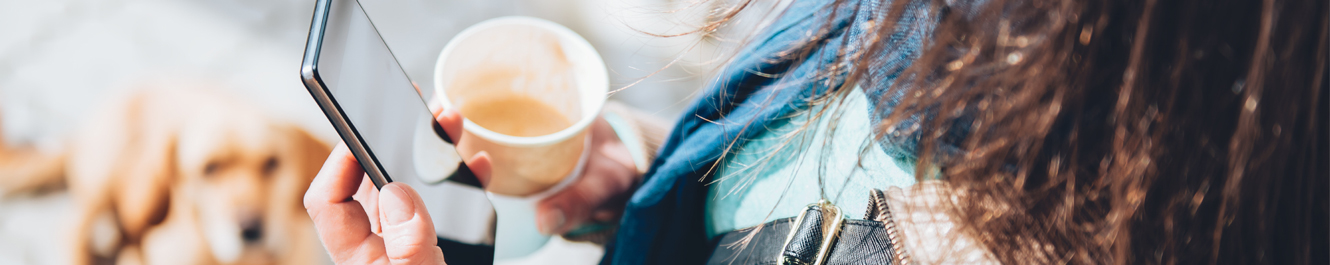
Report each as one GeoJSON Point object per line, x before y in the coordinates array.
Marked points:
{"type": "Point", "coordinates": [186, 176]}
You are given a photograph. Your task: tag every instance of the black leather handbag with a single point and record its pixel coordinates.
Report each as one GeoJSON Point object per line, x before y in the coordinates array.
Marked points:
{"type": "Point", "coordinates": [819, 235]}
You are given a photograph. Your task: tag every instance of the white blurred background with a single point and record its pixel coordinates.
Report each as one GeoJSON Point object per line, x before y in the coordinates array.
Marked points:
{"type": "Point", "coordinates": [60, 59]}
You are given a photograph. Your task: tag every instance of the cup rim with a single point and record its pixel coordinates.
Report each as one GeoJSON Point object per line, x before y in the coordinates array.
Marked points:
{"type": "Point", "coordinates": [567, 38]}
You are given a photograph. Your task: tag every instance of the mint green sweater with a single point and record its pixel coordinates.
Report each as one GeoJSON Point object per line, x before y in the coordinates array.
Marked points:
{"type": "Point", "coordinates": [775, 175]}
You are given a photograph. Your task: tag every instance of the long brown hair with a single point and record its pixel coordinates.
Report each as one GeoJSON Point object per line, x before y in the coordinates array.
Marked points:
{"type": "Point", "coordinates": [1129, 132]}
{"type": "Point", "coordinates": [1121, 132]}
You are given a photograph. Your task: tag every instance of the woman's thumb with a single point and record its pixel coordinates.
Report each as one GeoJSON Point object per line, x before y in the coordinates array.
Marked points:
{"type": "Point", "coordinates": [408, 232]}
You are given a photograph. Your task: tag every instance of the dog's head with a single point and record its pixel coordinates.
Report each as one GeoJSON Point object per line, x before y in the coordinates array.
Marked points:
{"type": "Point", "coordinates": [244, 175]}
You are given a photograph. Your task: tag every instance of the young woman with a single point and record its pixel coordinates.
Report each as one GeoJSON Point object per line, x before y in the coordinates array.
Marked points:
{"type": "Point", "coordinates": [1022, 131]}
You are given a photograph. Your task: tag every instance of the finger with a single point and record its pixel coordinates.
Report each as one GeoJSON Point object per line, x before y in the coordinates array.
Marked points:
{"type": "Point", "coordinates": [408, 232]}
{"type": "Point", "coordinates": [337, 181]}
{"type": "Point", "coordinates": [451, 121]}
{"type": "Point", "coordinates": [368, 196]}
{"type": "Point", "coordinates": [341, 221]}
{"type": "Point", "coordinates": [481, 167]}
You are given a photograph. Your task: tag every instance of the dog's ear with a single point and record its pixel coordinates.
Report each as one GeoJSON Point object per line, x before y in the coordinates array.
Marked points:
{"type": "Point", "coordinates": [306, 154]}
{"type": "Point", "coordinates": [143, 194]}
{"type": "Point", "coordinates": [312, 151]}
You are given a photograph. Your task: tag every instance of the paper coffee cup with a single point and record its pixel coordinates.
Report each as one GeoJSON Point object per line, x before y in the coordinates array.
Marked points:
{"type": "Point", "coordinates": [528, 89]}
{"type": "Point", "coordinates": [531, 60]}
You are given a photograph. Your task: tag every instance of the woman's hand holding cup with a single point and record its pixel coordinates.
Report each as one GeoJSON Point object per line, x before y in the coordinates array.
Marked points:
{"type": "Point", "coordinates": [598, 195]}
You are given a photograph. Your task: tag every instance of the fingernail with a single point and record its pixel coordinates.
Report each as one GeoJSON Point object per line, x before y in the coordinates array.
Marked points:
{"type": "Point", "coordinates": [550, 220]}
{"type": "Point", "coordinates": [396, 205]}
{"type": "Point", "coordinates": [603, 216]}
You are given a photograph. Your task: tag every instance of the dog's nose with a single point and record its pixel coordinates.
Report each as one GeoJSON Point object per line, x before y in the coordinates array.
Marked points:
{"type": "Point", "coordinates": [251, 230]}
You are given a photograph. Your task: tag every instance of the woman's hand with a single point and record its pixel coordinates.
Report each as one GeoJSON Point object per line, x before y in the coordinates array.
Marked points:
{"type": "Point", "coordinates": [599, 196]}
{"type": "Point", "coordinates": [359, 224]}
{"type": "Point", "coordinates": [341, 201]}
